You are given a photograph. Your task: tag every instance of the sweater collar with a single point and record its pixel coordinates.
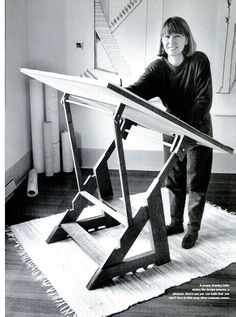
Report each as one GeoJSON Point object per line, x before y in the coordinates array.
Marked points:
{"type": "Point", "coordinates": [172, 67]}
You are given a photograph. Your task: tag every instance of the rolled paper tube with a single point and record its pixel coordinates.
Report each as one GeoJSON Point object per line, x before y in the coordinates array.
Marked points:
{"type": "Point", "coordinates": [48, 148]}
{"type": "Point", "coordinates": [67, 159]}
{"type": "Point", "coordinates": [51, 102]}
{"type": "Point", "coordinates": [37, 117]}
{"type": "Point", "coordinates": [32, 185]}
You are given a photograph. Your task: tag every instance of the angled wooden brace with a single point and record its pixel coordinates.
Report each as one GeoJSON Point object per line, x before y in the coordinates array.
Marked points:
{"type": "Point", "coordinates": [100, 181]}
{"type": "Point", "coordinates": [116, 264]}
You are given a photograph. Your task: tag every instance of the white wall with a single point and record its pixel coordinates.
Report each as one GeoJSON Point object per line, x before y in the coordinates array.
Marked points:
{"type": "Point", "coordinates": [17, 127]}
{"type": "Point", "coordinates": [153, 28]}
{"type": "Point", "coordinates": [79, 22]}
{"type": "Point", "coordinates": [35, 38]}
{"type": "Point", "coordinates": [54, 29]}
{"type": "Point", "coordinates": [47, 35]}
{"type": "Point", "coordinates": [222, 80]}
{"type": "Point", "coordinates": [42, 35]}
{"type": "Point", "coordinates": [201, 16]}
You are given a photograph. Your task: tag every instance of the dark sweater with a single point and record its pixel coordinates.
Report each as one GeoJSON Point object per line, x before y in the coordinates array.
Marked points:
{"type": "Point", "coordinates": [185, 90]}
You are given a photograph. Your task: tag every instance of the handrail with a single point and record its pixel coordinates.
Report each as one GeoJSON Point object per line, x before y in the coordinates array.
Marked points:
{"type": "Point", "coordinates": [116, 71]}
{"type": "Point", "coordinates": [231, 81]}
{"type": "Point", "coordinates": [124, 13]}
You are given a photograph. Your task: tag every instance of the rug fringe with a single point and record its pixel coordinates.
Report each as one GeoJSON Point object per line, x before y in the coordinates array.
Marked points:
{"type": "Point", "coordinates": [39, 276]}
{"type": "Point", "coordinates": [233, 213]}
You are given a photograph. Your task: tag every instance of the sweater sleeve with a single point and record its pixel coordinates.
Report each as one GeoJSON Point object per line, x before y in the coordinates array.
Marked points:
{"type": "Point", "coordinates": [203, 89]}
{"type": "Point", "coordinates": [147, 86]}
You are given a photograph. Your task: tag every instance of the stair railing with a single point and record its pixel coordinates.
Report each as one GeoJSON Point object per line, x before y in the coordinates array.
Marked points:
{"type": "Point", "coordinates": [98, 38]}
{"type": "Point", "coordinates": [124, 13]}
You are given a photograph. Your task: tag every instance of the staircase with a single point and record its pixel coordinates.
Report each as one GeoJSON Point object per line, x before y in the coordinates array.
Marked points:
{"type": "Point", "coordinates": [109, 43]}
{"type": "Point", "coordinates": [101, 74]}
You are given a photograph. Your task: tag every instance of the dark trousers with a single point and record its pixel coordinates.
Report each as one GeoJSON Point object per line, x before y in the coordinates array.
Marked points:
{"type": "Point", "coordinates": [191, 175]}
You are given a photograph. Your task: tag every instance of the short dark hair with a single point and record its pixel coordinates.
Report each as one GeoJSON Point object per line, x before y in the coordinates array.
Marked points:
{"type": "Point", "coordinates": [178, 25]}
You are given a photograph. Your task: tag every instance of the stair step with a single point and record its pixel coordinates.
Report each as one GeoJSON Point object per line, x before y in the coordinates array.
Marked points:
{"type": "Point", "coordinates": [116, 55]}
{"type": "Point", "coordinates": [104, 30]}
{"type": "Point", "coordinates": [107, 36]}
{"type": "Point", "coordinates": [111, 48]}
{"type": "Point", "coordinates": [105, 75]}
{"type": "Point", "coordinates": [122, 71]}
{"type": "Point", "coordinates": [121, 67]}
{"type": "Point", "coordinates": [91, 74]}
{"type": "Point", "coordinates": [102, 23]}
{"type": "Point", "coordinates": [108, 40]}
{"type": "Point", "coordinates": [109, 43]}
{"type": "Point", "coordinates": [85, 241]}
{"type": "Point", "coordinates": [100, 18]}
{"type": "Point", "coordinates": [86, 74]}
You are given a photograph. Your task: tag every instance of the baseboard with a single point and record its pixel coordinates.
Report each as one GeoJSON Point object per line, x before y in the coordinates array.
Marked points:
{"type": "Point", "coordinates": [136, 160]}
{"type": "Point", "coordinates": [10, 187]}
{"type": "Point", "coordinates": [153, 160]}
{"type": "Point", "coordinates": [17, 173]}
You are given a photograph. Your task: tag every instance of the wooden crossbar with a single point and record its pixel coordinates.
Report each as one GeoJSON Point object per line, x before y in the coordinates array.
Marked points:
{"type": "Point", "coordinates": [87, 242]}
{"type": "Point", "coordinates": [112, 212]}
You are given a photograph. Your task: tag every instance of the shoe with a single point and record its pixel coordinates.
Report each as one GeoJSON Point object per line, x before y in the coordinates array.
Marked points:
{"type": "Point", "coordinates": [173, 229]}
{"type": "Point", "coordinates": [189, 241]}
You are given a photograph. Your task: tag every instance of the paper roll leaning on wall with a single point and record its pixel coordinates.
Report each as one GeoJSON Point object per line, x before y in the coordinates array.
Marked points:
{"type": "Point", "coordinates": [67, 159]}
{"type": "Point", "coordinates": [32, 185]}
{"type": "Point", "coordinates": [51, 104]}
{"type": "Point", "coordinates": [37, 117]}
{"type": "Point", "coordinates": [48, 148]}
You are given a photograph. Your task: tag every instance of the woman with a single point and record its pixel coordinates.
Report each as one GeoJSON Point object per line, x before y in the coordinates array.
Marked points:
{"type": "Point", "coordinates": [181, 78]}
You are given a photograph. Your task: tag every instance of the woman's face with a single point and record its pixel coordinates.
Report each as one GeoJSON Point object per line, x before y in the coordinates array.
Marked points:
{"type": "Point", "coordinates": [174, 44]}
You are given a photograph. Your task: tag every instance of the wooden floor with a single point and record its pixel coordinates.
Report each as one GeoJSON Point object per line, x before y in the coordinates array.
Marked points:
{"type": "Point", "coordinates": [25, 297]}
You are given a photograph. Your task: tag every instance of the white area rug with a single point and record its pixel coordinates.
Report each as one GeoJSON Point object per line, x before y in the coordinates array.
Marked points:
{"type": "Point", "coordinates": [65, 269]}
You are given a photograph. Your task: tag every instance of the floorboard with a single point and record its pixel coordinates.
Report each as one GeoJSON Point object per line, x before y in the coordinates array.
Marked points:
{"type": "Point", "coordinates": [25, 297]}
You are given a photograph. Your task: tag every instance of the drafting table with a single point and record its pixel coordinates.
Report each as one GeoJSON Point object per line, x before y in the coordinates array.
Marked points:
{"type": "Point", "coordinates": [125, 108]}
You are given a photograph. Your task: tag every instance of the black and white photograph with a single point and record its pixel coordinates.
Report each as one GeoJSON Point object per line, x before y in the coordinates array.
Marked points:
{"type": "Point", "coordinates": [120, 167]}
